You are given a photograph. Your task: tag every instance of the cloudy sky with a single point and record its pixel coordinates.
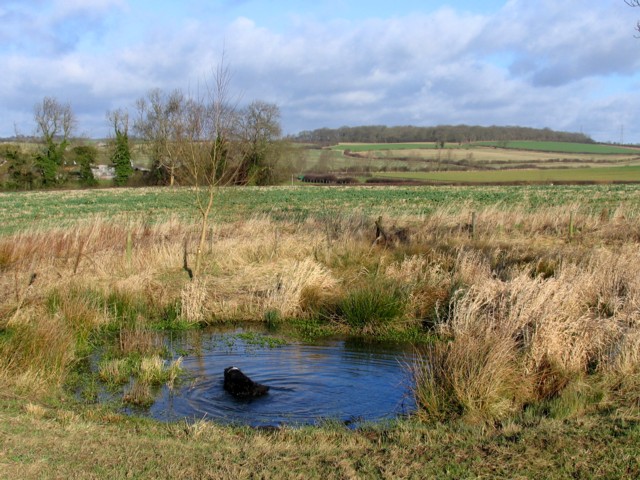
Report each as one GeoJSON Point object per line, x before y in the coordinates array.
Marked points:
{"type": "Point", "coordinates": [568, 65]}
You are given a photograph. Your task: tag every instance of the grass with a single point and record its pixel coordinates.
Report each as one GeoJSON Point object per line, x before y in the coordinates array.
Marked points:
{"type": "Point", "coordinates": [364, 160]}
{"type": "Point", "coordinates": [369, 147]}
{"type": "Point", "coordinates": [529, 338]}
{"type": "Point", "coordinates": [563, 147]}
{"type": "Point", "coordinates": [371, 306]}
{"type": "Point", "coordinates": [45, 442]}
{"type": "Point", "coordinates": [145, 207]}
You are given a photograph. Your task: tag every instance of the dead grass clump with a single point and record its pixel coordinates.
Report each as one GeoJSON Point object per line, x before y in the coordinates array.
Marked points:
{"type": "Point", "coordinates": [155, 371]}
{"type": "Point", "coordinates": [42, 349]}
{"type": "Point", "coordinates": [544, 332]}
{"type": "Point", "coordinates": [139, 340]}
{"type": "Point", "coordinates": [194, 301]}
{"type": "Point", "coordinates": [116, 371]}
{"type": "Point", "coordinates": [297, 286]}
{"type": "Point", "coordinates": [80, 309]}
{"type": "Point", "coordinates": [430, 287]}
{"type": "Point", "coordinates": [139, 394]}
{"type": "Point", "coordinates": [478, 377]}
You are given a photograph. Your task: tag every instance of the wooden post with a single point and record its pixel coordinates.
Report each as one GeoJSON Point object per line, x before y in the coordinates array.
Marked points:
{"type": "Point", "coordinates": [129, 246]}
{"type": "Point", "coordinates": [381, 235]}
{"type": "Point", "coordinates": [571, 225]}
{"type": "Point", "coordinates": [474, 219]}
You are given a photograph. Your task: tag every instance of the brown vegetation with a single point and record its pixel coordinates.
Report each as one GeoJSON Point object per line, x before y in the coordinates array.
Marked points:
{"type": "Point", "coordinates": [524, 310]}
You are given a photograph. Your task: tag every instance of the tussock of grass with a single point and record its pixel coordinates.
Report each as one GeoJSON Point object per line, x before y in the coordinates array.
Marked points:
{"type": "Point", "coordinates": [155, 371]}
{"type": "Point", "coordinates": [372, 306]}
{"type": "Point", "coordinates": [115, 371]}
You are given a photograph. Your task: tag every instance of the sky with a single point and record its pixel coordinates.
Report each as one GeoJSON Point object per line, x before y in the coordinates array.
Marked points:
{"type": "Point", "coordinates": [571, 65]}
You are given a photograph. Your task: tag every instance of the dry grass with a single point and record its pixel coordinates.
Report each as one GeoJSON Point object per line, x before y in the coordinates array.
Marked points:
{"type": "Point", "coordinates": [524, 308]}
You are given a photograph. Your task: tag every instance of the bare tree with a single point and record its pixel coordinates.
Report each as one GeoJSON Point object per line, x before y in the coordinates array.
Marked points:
{"type": "Point", "coordinates": [260, 132]}
{"type": "Point", "coordinates": [206, 148]}
{"type": "Point", "coordinates": [158, 122]}
{"type": "Point", "coordinates": [55, 122]}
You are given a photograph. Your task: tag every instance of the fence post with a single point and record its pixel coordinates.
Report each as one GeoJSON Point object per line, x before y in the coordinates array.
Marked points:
{"type": "Point", "coordinates": [474, 220]}
{"type": "Point", "coordinates": [129, 246]}
{"type": "Point", "coordinates": [571, 225]}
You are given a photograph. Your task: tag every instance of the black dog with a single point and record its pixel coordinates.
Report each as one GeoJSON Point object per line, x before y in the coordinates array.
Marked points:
{"type": "Point", "coordinates": [239, 385]}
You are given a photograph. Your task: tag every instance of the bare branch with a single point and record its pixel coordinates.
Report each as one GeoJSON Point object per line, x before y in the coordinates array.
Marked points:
{"type": "Point", "coordinates": [54, 120]}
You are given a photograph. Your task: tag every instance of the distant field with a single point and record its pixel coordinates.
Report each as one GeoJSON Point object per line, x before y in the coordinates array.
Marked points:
{"type": "Point", "coordinates": [563, 147]}
{"type": "Point", "coordinates": [424, 159]}
{"type": "Point", "coordinates": [598, 174]}
{"type": "Point", "coordinates": [369, 147]}
{"type": "Point", "coordinates": [556, 147]}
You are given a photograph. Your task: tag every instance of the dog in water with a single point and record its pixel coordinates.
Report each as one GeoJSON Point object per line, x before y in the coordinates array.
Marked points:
{"type": "Point", "coordinates": [239, 385]}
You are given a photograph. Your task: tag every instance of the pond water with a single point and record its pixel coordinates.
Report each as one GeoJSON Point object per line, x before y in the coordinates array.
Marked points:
{"type": "Point", "coordinates": [339, 380]}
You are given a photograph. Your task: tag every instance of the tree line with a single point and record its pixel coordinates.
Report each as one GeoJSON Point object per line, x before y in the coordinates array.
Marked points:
{"type": "Point", "coordinates": [438, 134]}
{"type": "Point", "coordinates": [189, 140]}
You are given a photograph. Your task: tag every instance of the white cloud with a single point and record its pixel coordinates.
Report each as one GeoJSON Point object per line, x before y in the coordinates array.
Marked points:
{"type": "Point", "coordinates": [540, 64]}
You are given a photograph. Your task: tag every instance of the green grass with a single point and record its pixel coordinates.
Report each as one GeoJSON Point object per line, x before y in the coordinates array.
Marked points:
{"type": "Point", "coordinates": [40, 441]}
{"type": "Point", "coordinates": [596, 174]}
{"type": "Point", "coordinates": [373, 305]}
{"type": "Point", "coordinates": [562, 147]}
{"type": "Point", "coordinates": [58, 209]}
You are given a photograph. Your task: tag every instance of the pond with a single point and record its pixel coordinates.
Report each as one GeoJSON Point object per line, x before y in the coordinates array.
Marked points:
{"type": "Point", "coordinates": [343, 380]}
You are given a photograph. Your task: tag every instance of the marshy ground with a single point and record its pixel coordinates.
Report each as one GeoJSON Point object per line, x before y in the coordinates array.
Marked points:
{"type": "Point", "coordinates": [527, 321]}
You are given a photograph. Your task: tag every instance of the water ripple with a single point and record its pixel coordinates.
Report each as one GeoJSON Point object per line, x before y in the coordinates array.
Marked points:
{"type": "Point", "coordinates": [337, 380]}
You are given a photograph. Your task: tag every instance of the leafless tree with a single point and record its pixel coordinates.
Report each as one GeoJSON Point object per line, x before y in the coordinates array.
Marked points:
{"type": "Point", "coordinates": [159, 122]}
{"type": "Point", "coordinates": [55, 121]}
{"type": "Point", "coordinates": [205, 144]}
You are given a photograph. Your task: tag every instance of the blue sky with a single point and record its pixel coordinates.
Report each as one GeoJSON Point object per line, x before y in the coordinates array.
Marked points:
{"type": "Point", "coordinates": [568, 65]}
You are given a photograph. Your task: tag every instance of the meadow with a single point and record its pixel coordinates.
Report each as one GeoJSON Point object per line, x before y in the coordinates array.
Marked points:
{"type": "Point", "coordinates": [539, 146]}
{"type": "Point", "coordinates": [523, 303]}
{"type": "Point", "coordinates": [502, 162]}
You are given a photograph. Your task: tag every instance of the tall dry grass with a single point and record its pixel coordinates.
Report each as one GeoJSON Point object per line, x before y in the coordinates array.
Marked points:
{"type": "Point", "coordinates": [524, 339]}
{"type": "Point", "coordinates": [523, 308]}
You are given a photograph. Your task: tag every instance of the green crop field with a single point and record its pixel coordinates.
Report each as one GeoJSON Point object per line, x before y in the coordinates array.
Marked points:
{"type": "Point", "coordinates": [22, 210]}
{"type": "Point", "coordinates": [563, 147]}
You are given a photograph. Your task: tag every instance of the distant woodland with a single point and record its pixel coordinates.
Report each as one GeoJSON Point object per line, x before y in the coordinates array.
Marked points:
{"type": "Point", "coordinates": [442, 133]}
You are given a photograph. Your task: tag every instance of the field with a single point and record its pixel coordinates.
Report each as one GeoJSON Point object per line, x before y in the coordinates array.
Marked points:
{"type": "Point", "coordinates": [522, 303]}
{"type": "Point", "coordinates": [563, 147]}
{"type": "Point", "coordinates": [555, 147]}
{"type": "Point", "coordinates": [22, 210]}
{"type": "Point", "coordinates": [491, 161]}
{"type": "Point", "coordinates": [577, 175]}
